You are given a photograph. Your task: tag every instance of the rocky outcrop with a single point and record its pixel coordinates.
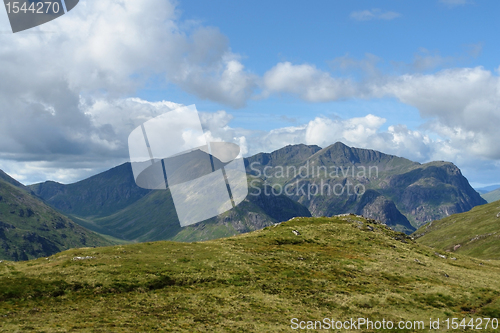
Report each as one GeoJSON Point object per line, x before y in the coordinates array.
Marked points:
{"type": "Point", "coordinates": [375, 206]}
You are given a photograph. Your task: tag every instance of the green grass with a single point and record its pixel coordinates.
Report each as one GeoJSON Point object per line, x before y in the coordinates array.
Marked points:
{"type": "Point", "coordinates": [255, 282]}
{"type": "Point", "coordinates": [477, 232]}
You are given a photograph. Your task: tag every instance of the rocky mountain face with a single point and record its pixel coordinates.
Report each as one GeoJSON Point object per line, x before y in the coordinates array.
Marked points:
{"type": "Point", "coordinates": [341, 179]}
{"type": "Point", "coordinates": [31, 229]}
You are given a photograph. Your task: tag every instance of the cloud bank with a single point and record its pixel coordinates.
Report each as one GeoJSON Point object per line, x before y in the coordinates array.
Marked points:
{"type": "Point", "coordinates": [66, 113]}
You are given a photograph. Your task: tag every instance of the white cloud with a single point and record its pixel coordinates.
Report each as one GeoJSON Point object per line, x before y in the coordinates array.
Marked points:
{"type": "Point", "coordinates": [61, 92]}
{"type": "Point", "coordinates": [354, 131]}
{"type": "Point", "coordinates": [63, 112]}
{"type": "Point", "coordinates": [374, 14]}
{"type": "Point", "coordinates": [307, 82]}
{"type": "Point", "coordinates": [108, 48]}
{"type": "Point", "coordinates": [461, 104]}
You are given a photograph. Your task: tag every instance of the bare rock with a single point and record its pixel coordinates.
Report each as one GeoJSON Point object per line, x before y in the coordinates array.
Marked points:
{"type": "Point", "coordinates": [440, 255]}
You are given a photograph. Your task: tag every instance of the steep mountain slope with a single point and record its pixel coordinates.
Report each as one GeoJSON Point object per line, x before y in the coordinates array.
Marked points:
{"type": "Point", "coordinates": [31, 229]}
{"type": "Point", "coordinates": [492, 196]}
{"type": "Point", "coordinates": [341, 268]}
{"type": "Point", "coordinates": [475, 233]}
{"type": "Point", "coordinates": [340, 179]}
{"type": "Point", "coordinates": [99, 195]}
{"type": "Point", "coordinates": [125, 211]}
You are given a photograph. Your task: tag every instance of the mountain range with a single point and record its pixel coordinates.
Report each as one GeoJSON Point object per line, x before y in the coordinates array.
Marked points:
{"type": "Point", "coordinates": [111, 203]}
{"type": "Point", "coordinates": [401, 193]}
{"type": "Point", "coordinates": [486, 189]}
{"type": "Point", "coordinates": [491, 196]}
{"type": "Point", "coordinates": [297, 180]}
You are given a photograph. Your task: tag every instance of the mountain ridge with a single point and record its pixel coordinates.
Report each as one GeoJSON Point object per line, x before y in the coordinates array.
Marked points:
{"type": "Point", "coordinates": [402, 193]}
{"type": "Point", "coordinates": [408, 185]}
{"type": "Point", "coordinates": [492, 196]}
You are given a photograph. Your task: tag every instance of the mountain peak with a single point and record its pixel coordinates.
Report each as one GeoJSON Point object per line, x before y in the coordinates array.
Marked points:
{"type": "Point", "coordinates": [291, 154]}
{"type": "Point", "coordinates": [341, 154]}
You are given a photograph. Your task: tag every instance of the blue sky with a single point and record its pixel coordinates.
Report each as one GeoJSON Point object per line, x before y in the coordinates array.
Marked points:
{"type": "Point", "coordinates": [414, 79]}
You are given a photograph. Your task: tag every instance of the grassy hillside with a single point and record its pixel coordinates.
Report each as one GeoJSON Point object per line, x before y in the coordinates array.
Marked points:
{"type": "Point", "coordinates": [492, 196]}
{"type": "Point", "coordinates": [31, 229]}
{"type": "Point", "coordinates": [475, 233]}
{"type": "Point", "coordinates": [341, 268]}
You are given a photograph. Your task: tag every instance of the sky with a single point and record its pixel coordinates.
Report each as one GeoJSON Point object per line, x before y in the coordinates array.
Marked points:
{"type": "Point", "coordinates": [414, 79]}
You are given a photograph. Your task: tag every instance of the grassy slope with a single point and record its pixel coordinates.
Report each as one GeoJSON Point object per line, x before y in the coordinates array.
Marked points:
{"type": "Point", "coordinates": [492, 196]}
{"type": "Point", "coordinates": [477, 231]}
{"type": "Point", "coordinates": [254, 282]}
{"type": "Point", "coordinates": [31, 229]}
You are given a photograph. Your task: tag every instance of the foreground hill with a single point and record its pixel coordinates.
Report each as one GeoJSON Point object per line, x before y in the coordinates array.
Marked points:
{"type": "Point", "coordinates": [492, 196]}
{"type": "Point", "coordinates": [401, 193]}
{"type": "Point", "coordinates": [308, 268]}
{"type": "Point", "coordinates": [475, 233]}
{"type": "Point", "coordinates": [31, 229]}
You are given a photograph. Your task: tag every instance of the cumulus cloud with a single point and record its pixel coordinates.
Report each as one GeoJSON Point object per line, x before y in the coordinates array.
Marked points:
{"type": "Point", "coordinates": [463, 103]}
{"type": "Point", "coordinates": [307, 82]}
{"type": "Point", "coordinates": [64, 84]}
{"type": "Point", "coordinates": [374, 14]}
{"type": "Point", "coordinates": [108, 48]}
{"type": "Point", "coordinates": [460, 104]}
{"type": "Point", "coordinates": [65, 113]}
